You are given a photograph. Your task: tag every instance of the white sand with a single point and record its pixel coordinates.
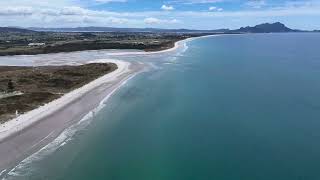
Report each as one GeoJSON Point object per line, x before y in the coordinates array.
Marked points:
{"type": "Point", "coordinates": [23, 121]}
{"type": "Point", "coordinates": [177, 45]}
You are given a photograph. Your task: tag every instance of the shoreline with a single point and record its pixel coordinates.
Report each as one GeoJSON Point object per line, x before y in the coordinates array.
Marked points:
{"type": "Point", "coordinates": [177, 45]}
{"type": "Point", "coordinates": [5, 127]}
{"type": "Point", "coordinates": [25, 120]}
{"type": "Point", "coordinates": [28, 133]}
{"type": "Point", "coordinates": [23, 127]}
{"type": "Point", "coordinates": [95, 44]}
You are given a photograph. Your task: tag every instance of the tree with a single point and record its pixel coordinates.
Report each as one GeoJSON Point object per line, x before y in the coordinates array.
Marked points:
{"type": "Point", "coordinates": [10, 86]}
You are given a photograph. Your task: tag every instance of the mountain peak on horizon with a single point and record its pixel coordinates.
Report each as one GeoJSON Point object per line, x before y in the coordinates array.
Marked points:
{"type": "Point", "coordinates": [265, 28]}
{"type": "Point", "coordinates": [14, 30]}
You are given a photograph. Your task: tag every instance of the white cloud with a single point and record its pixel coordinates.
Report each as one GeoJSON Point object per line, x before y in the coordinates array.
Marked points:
{"type": "Point", "coordinates": [152, 20]}
{"type": "Point", "coordinates": [38, 3]}
{"type": "Point", "coordinates": [73, 10]}
{"type": "Point", "coordinates": [213, 8]}
{"type": "Point", "coordinates": [67, 14]}
{"type": "Point", "coordinates": [114, 20]}
{"type": "Point", "coordinates": [110, 1]}
{"type": "Point", "coordinates": [256, 3]}
{"type": "Point", "coordinates": [167, 8]}
{"type": "Point", "coordinates": [198, 1]}
{"type": "Point", "coordinates": [16, 11]}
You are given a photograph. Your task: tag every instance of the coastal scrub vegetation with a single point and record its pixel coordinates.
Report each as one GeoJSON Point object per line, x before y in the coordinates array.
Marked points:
{"type": "Point", "coordinates": [25, 88]}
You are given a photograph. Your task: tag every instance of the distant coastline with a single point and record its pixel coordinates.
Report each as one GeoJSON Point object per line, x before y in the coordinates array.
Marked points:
{"type": "Point", "coordinates": [46, 43]}
{"type": "Point", "coordinates": [33, 41]}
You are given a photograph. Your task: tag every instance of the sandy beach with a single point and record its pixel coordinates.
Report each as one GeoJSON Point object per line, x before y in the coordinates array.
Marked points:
{"type": "Point", "coordinates": [178, 44]}
{"type": "Point", "coordinates": [28, 133]}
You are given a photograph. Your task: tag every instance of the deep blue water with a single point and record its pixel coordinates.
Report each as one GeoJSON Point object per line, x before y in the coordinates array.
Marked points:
{"type": "Point", "coordinates": [242, 107]}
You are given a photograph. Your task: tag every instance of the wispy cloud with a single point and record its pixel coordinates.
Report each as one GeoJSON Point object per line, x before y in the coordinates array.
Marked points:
{"type": "Point", "coordinates": [213, 8]}
{"type": "Point", "coordinates": [68, 13]}
{"type": "Point", "coordinates": [152, 21]}
{"type": "Point", "coordinates": [167, 7]}
{"type": "Point", "coordinates": [16, 11]}
{"type": "Point", "coordinates": [256, 3]}
{"type": "Point", "coordinates": [197, 1]}
{"type": "Point", "coordinates": [110, 1]}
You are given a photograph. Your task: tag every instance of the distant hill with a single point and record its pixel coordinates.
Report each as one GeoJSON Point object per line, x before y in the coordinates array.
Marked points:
{"type": "Point", "coordinates": [14, 30]}
{"type": "Point", "coordinates": [265, 28]}
{"type": "Point", "coordinates": [261, 28]}
{"type": "Point", "coordinates": [112, 29]}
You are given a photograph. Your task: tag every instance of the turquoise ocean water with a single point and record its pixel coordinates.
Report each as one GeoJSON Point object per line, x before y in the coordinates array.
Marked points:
{"type": "Point", "coordinates": [242, 107]}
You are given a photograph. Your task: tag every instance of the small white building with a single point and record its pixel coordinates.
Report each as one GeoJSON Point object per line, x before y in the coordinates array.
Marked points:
{"type": "Point", "coordinates": [36, 44]}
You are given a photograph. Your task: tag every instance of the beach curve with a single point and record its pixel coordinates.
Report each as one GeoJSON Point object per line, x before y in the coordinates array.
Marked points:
{"type": "Point", "coordinates": [28, 133]}
{"type": "Point", "coordinates": [21, 125]}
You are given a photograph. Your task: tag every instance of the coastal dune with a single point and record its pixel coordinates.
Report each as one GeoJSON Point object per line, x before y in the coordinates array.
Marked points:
{"type": "Point", "coordinates": [28, 133]}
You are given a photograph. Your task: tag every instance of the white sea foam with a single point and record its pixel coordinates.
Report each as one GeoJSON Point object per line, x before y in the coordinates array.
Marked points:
{"type": "Point", "coordinates": [24, 168]}
{"type": "Point", "coordinates": [2, 172]}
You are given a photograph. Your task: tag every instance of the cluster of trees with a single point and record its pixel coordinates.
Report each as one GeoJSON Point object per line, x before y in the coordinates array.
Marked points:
{"type": "Point", "coordinates": [10, 87]}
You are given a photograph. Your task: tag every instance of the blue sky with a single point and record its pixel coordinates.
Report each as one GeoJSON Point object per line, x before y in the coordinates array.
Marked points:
{"type": "Point", "coordinates": [193, 14]}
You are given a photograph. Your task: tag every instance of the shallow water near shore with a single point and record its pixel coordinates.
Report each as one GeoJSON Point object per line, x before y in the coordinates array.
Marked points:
{"type": "Point", "coordinates": [230, 107]}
